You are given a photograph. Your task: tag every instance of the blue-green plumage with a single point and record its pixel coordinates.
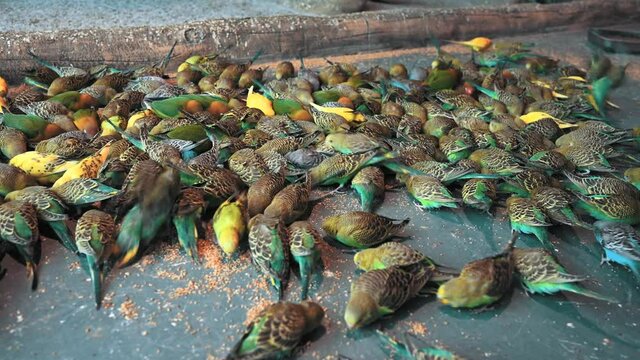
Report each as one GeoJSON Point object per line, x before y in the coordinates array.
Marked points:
{"type": "Point", "coordinates": [621, 244]}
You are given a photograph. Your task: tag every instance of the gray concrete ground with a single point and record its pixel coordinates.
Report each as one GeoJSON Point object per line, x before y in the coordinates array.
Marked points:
{"type": "Point", "coordinates": [31, 15]}
{"type": "Point", "coordinates": [34, 15]}
{"type": "Point", "coordinates": [167, 308]}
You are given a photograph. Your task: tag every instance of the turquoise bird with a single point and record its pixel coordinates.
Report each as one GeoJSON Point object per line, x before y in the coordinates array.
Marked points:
{"type": "Point", "coordinates": [409, 351]}
{"type": "Point", "coordinates": [621, 244]}
{"type": "Point", "coordinates": [188, 209]}
{"type": "Point", "coordinates": [19, 226]}
{"type": "Point", "coordinates": [541, 273]}
{"type": "Point", "coordinates": [269, 248]}
{"type": "Point", "coordinates": [155, 189]}
{"type": "Point", "coordinates": [83, 191]}
{"type": "Point", "coordinates": [618, 208]}
{"type": "Point", "coordinates": [527, 218]}
{"type": "Point", "coordinates": [479, 194]}
{"type": "Point", "coordinates": [429, 193]}
{"type": "Point", "coordinates": [50, 208]}
{"type": "Point", "coordinates": [95, 233]}
{"type": "Point", "coordinates": [369, 185]}
{"type": "Point", "coordinates": [303, 238]}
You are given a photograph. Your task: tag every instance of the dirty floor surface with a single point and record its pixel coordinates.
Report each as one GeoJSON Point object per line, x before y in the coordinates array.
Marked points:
{"type": "Point", "coordinates": [167, 308]}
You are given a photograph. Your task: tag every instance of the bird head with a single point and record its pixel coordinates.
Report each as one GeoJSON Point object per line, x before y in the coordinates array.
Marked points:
{"type": "Point", "coordinates": [229, 241]}
{"type": "Point", "coordinates": [361, 310]}
{"type": "Point", "coordinates": [365, 259]}
{"type": "Point", "coordinates": [330, 139]}
{"type": "Point", "coordinates": [456, 292]}
{"type": "Point", "coordinates": [330, 225]}
{"type": "Point", "coordinates": [512, 200]}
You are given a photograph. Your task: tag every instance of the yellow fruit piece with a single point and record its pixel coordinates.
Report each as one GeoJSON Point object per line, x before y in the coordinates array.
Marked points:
{"type": "Point", "coordinates": [478, 44]}
{"type": "Point", "coordinates": [194, 59]}
{"type": "Point", "coordinates": [4, 87]}
{"type": "Point", "coordinates": [574, 78]}
{"type": "Point", "coordinates": [87, 123]}
{"type": "Point", "coordinates": [135, 117]}
{"type": "Point", "coordinates": [539, 115]}
{"type": "Point", "coordinates": [558, 95]}
{"type": "Point", "coordinates": [184, 66]}
{"type": "Point", "coordinates": [541, 83]}
{"type": "Point", "coordinates": [260, 102]}
{"type": "Point", "coordinates": [592, 102]}
{"type": "Point", "coordinates": [42, 166]}
{"type": "Point", "coordinates": [301, 115]}
{"type": "Point", "coordinates": [345, 112]}
{"type": "Point", "coordinates": [86, 168]}
{"type": "Point", "coordinates": [3, 104]}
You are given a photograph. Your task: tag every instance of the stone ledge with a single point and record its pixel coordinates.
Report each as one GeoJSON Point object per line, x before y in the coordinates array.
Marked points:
{"type": "Point", "coordinates": [289, 36]}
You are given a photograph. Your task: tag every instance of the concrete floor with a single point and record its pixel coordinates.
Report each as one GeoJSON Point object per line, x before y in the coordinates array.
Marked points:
{"type": "Point", "coordinates": [167, 308]}
{"type": "Point", "coordinates": [29, 15]}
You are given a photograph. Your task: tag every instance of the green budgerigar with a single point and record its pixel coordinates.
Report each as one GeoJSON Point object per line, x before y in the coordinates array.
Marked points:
{"type": "Point", "coordinates": [479, 194]}
{"type": "Point", "coordinates": [397, 254]}
{"type": "Point", "coordinates": [19, 226]}
{"type": "Point", "coordinates": [339, 169]}
{"type": "Point", "coordinates": [481, 282]}
{"type": "Point", "coordinates": [95, 233]}
{"type": "Point", "coordinates": [541, 273]}
{"type": "Point", "coordinates": [188, 209]}
{"type": "Point", "coordinates": [276, 331]}
{"type": "Point", "coordinates": [361, 229]}
{"type": "Point", "coordinates": [51, 209]}
{"type": "Point", "coordinates": [155, 189]}
{"type": "Point", "coordinates": [429, 193]}
{"type": "Point", "coordinates": [269, 247]}
{"type": "Point", "coordinates": [409, 350]}
{"type": "Point", "coordinates": [369, 185]}
{"type": "Point", "coordinates": [527, 218]}
{"type": "Point", "coordinates": [303, 239]}
{"type": "Point", "coordinates": [230, 223]}
{"type": "Point", "coordinates": [378, 293]}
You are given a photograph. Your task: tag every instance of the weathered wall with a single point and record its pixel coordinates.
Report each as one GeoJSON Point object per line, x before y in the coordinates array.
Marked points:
{"type": "Point", "coordinates": [287, 36]}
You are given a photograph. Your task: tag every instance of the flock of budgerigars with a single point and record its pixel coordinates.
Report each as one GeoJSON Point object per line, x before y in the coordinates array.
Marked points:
{"type": "Point", "coordinates": [105, 160]}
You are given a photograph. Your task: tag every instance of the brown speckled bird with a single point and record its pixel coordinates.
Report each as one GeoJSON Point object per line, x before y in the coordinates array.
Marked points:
{"type": "Point", "coordinates": [248, 165]}
{"type": "Point", "coordinates": [479, 193]}
{"type": "Point", "coordinates": [276, 331]}
{"type": "Point", "coordinates": [19, 226]}
{"type": "Point", "coordinates": [262, 192]}
{"type": "Point", "coordinates": [290, 203]}
{"type": "Point", "coordinates": [329, 122]}
{"type": "Point", "coordinates": [84, 191]}
{"type": "Point", "coordinates": [481, 282]}
{"type": "Point", "coordinates": [556, 204]}
{"type": "Point", "coordinates": [378, 293]}
{"type": "Point", "coordinates": [269, 248]}
{"type": "Point", "coordinates": [303, 240]}
{"type": "Point", "coordinates": [13, 178]}
{"type": "Point", "coordinates": [95, 233]}
{"type": "Point", "coordinates": [541, 273]}
{"type": "Point", "coordinates": [361, 229]}
{"type": "Point", "coordinates": [369, 185]}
